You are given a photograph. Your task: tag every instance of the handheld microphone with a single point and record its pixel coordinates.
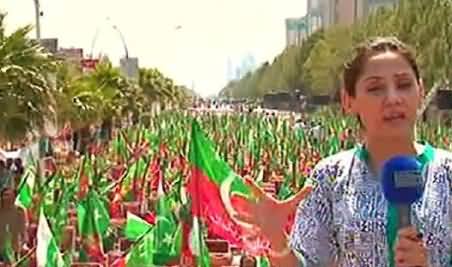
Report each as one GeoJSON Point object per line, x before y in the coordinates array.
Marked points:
{"type": "Point", "coordinates": [402, 185]}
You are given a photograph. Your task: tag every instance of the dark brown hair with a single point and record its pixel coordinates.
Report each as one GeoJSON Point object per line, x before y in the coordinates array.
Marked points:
{"type": "Point", "coordinates": [353, 68]}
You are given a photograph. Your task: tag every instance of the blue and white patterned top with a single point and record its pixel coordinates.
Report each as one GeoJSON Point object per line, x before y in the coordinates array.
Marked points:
{"type": "Point", "coordinates": [344, 220]}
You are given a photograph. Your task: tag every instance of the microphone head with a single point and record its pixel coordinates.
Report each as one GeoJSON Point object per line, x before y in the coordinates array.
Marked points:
{"type": "Point", "coordinates": [402, 180]}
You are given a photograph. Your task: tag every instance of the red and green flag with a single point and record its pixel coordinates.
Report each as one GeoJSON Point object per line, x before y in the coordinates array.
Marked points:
{"type": "Point", "coordinates": [140, 254]}
{"type": "Point", "coordinates": [136, 227]}
{"type": "Point", "coordinates": [93, 222]}
{"type": "Point", "coordinates": [217, 194]}
{"type": "Point", "coordinates": [166, 230]}
{"type": "Point", "coordinates": [197, 245]}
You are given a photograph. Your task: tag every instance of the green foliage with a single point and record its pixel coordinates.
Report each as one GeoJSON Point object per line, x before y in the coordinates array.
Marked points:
{"type": "Point", "coordinates": [316, 66]}
{"type": "Point", "coordinates": [29, 99]}
{"type": "Point", "coordinates": [25, 87]}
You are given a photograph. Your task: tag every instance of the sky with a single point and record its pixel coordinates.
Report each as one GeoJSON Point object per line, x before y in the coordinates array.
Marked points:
{"type": "Point", "coordinates": [190, 41]}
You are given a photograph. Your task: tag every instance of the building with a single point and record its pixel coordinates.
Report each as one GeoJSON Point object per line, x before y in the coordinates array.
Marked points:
{"type": "Point", "coordinates": [325, 13]}
{"type": "Point", "coordinates": [349, 11]}
{"type": "Point", "coordinates": [50, 44]}
{"type": "Point", "coordinates": [314, 15]}
{"type": "Point", "coordinates": [72, 55]}
{"type": "Point", "coordinates": [129, 68]}
{"type": "Point", "coordinates": [372, 5]}
{"type": "Point", "coordinates": [320, 13]}
{"type": "Point", "coordinates": [297, 29]}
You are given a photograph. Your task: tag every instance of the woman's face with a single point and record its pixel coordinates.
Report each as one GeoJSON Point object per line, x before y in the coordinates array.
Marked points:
{"type": "Point", "coordinates": [7, 198]}
{"type": "Point", "coordinates": [387, 96]}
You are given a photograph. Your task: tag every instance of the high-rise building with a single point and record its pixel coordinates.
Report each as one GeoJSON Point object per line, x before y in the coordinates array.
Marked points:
{"type": "Point", "coordinates": [230, 70]}
{"type": "Point", "coordinates": [320, 13]}
{"type": "Point", "coordinates": [314, 15]}
{"type": "Point", "coordinates": [237, 71]}
{"type": "Point", "coordinates": [324, 13]}
{"type": "Point", "coordinates": [297, 29]}
{"type": "Point", "coordinates": [372, 5]}
{"type": "Point", "coordinates": [129, 68]}
{"type": "Point", "coordinates": [349, 11]}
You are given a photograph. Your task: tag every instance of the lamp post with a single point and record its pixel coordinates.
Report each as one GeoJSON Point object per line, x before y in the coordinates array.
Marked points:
{"type": "Point", "coordinates": [38, 15]}
{"type": "Point", "coordinates": [123, 40]}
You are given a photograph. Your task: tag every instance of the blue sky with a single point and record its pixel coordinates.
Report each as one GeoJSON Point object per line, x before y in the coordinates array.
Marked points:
{"type": "Point", "coordinates": [212, 31]}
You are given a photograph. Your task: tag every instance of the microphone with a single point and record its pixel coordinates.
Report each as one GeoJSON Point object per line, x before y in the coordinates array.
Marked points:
{"type": "Point", "coordinates": [402, 185]}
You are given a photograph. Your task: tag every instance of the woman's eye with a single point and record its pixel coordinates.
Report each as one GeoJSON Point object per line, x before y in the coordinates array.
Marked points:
{"type": "Point", "coordinates": [374, 89]}
{"type": "Point", "coordinates": [405, 85]}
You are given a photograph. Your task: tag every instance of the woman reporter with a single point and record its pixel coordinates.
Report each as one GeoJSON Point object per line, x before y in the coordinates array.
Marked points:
{"type": "Point", "coordinates": [345, 220]}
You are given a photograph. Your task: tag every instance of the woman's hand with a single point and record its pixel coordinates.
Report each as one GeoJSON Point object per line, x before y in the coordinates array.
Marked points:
{"type": "Point", "coordinates": [410, 250]}
{"type": "Point", "coordinates": [268, 215]}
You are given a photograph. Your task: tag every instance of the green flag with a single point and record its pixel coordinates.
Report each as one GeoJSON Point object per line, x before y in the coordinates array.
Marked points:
{"type": "Point", "coordinates": [47, 252]}
{"type": "Point", "coordinates": [136, 227]}
{"type": "Point", "coordinates": [24, 198]}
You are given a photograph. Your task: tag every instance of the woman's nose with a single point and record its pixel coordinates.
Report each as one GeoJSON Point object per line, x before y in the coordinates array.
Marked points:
{"type": "Point", "coordinates": [393, 96]}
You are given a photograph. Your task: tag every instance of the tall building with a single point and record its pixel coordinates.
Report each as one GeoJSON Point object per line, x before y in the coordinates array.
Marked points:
{"type": "Point", "coordinates": [297, 29]}
{"type": "Point", "coordinates": [229, 70]}
{"type": "Point", "coordinates": [320, 13]}
{"type": "Point", "coordinates": [73, 56]}
{"type": "Point", "coordinates": [247, 64]}
{"type": "Point", "coordinates": [348, 11]}
{"type": "Point", "coordinates": [313, 15]}
{"type": "Point", "coordinates": [325, 13]}
{"type": "Point", "coordinates": [372, 5]}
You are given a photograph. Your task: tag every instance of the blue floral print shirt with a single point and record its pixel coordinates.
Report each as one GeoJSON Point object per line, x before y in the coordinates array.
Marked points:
{"type": "Point", "coordinates": [344, 220]}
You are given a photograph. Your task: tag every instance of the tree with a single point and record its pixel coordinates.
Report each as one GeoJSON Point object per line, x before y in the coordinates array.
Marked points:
{"type": "Point", "coordinates": [26, 92]}
{"type": "Point", "coordinates": [316, 66]}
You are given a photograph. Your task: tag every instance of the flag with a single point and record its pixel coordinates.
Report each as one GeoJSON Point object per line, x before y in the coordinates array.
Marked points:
{"type": "Point", "coordinates": [166, 230]}
{"type": "Point", "coordinates": [218, 193]}
{"type": "Point", "coordinates": [135, 227]}
{"type": "Point", "coordinates": [262, 262]}
{"type": "Point", "coordinates": [137, 169]}
{"type": "Point", "coordinates": [141, 253]}
{"type": "Point", "coordinates": [93, 222]}
{"type": "Point", "coordinates": [24, 197]}
{"type": "Point", "coordinates": [334, 145]}
{"type": "Point", "coordinates": [120, 147]}
{"type": "Point", "coordinates": [47, 252]}
{"type": "Point", "coordinates": [61, 217]}
{"type": "Point", "coordinates": [197, 245]}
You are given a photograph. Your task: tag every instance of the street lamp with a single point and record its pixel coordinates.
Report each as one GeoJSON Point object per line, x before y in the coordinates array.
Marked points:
{"type": "Point", "coordinates": [38, 14]}
{"type": "Point", "coordinates": [123, 40]}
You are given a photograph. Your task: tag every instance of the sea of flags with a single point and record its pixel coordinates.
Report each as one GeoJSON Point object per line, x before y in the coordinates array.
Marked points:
{"type": "Point", "coordinates": [165, 189]}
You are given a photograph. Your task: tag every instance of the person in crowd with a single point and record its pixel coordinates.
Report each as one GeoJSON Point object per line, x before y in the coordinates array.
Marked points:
{"type": "Point", "coordinates": [345, 220]}
{"type": "Point", "coordinates": [3, 172]}
{"type": "Point", "coordinates": [12, 224]}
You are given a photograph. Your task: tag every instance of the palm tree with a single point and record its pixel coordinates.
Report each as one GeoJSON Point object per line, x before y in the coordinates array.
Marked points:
{"type": "Point", "coordinates": [25, 89]}
{"type": "Point", "coordinates": [158, 88]}
{"type": "Point", "coordinates": [93, 98]}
